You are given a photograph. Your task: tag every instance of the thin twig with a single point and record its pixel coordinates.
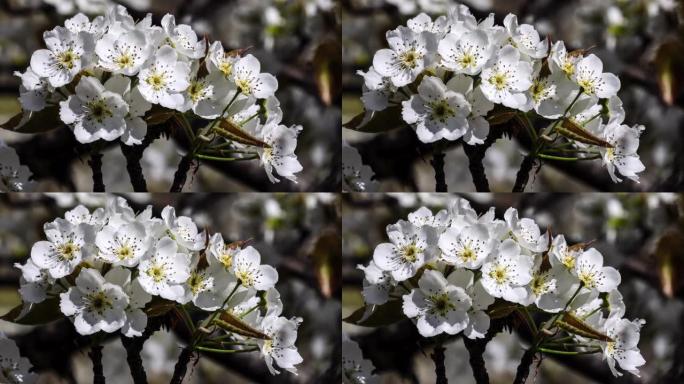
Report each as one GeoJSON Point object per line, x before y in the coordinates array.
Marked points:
{"type": "Point", "coordinates": [476, 155]}
{"type": "Point", "coordinates": [438, 165]}
{"type": "Point", "coordinates": [181, 174]}
{"type": "Point", "coordinates": [182, 365]}
{"type": "Point", "coordinates": [96, 357]}
{"type": "Point", "coordinates": [440, 370]}
{"type": "Point", "coordinates": [524, 366]}
{"type": "Point", "coordinates": [133, 156]}
{"type": "Point", "coordinates": [523, 175]}
{"type": "Point", "coordinates": [134, 346]}
{"type": "Point", "coordinates": [96, 166]}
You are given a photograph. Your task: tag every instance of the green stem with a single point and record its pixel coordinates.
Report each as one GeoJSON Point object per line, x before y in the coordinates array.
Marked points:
{"type": "Point", "coordinates": [214, 158]}
{"type": "Point", "coordinates": [558, 352]}
{"type": "Point", "coordinates": [215, 350]}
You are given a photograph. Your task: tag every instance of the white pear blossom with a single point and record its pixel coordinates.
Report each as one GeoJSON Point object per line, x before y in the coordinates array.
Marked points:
{"type": "Point", "coordinates": [81, 23]}
{"type": "Point", "coordinates": [560, 60]}
{"type": "Point", "coordinates": [423, 216]}
{"type": "Point", "coordinates": [207, 96]}
{"type": "Point", "coordinates": [525, 38]}
{"type": "Point", "coordinates": [436, 111]}
{"type": "Point", "coordinates": [95, 304]}
{"type": "Point", "coordinates": [221, 252]}
{"type": "Point", "coordinates": [136, 319]}
{"type": "Point", "coordinates": [478, 319]}
{"type": "Point", "coordinates": [221, 61]}
{"type": "Point", "coordinates": [437, 306]}
{"type": "Point", "coordinates": [65, 247]}
{"type": "Point", "coordinates": [478, 126]}
{"type": "Point", "coordinates": [164, 272]}
{"type": "Point", "coordinates": [34, 90]}
{"type": "Point", "coordinates": [623, 156]}
{"type": "Point", "coordinates": [590, 76]}
{"type": "Point", "coordinates": [136, 127]}
{"type": "Point", "coordinates": [590, 271]}
{"type": "Point", "coordinates": [251, 273]}
{"type": "Point", "coordinates": [164, 78]}
{"type": "Point", "coordinates": [505, 80]}
{"type": "Point", "coordinates": [526, 232]}
{"type": "Point", "coordinates": [377, 284]}
{"type": "Point", "coordinates": [182, 38]}
{"type": "Point", "coordinates": [467, 53]}
{"type": "Point", "coordinates": [207, 287]}
{"type": "Point", "coordinates": [280, 157]}
{"type": "Point", "coordinates": [280, 349]}
{"type": "Point", "coordinates": [66, 55]}
{"type": "Point", "coordinates": [14, 369]}
{"type": "Point", "coordinates": [410, 248]}
{"type": "Point", "coordinates": [125, 245]}
{"type": "Point", "coordinates": [123, 54]}
{"type": "Point", "coordinates": [251, 81]}
{"type": "Point", "coordinates": [466, 248]}
{"type": "Point", "coordinates": [183, 230]}
{"type": "Point", "coordinates": [623, 349]}
{"type": "Point", "coordinates": [377, 90]}
{"type": "Point", "coordinates": [34, 283]}
{"type": "Point", "coordinates": [506, 274]}
{"type": "Point", "coordinates": [94, 112]}
{"type": "Point", "coordinates": [409, 54]}
{"type": "Point", "coordinates": [81, 214]}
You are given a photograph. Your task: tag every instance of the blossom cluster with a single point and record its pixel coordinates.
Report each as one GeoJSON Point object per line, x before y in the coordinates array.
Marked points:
{"type": "Point", "coordinates": [356, 176]}
{"type": "Point", "coordinates": [449, 268]}
{"type": "Point", "coordinates": [452, 75]}
{"type": "Point", "coordinates": [108, 267]}
{"type": "Point", "coordinates": [107, 76]}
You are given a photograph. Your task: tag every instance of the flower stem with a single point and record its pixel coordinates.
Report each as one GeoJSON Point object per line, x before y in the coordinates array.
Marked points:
{"type": "Point", "coordinates": [216, 350]}
{"type": "Point", "coordinates": [96, 357]}
{"type": "Point", "coordinates": [440, 370]}
{"type": "Point", "coordinates": [438, 165]}
{"type": "Point", "coordinates": [96, 166]}
{"type": "Point", "coordinates": [134, 346]}
{"type": "Point", "coordinates": [524, 366]}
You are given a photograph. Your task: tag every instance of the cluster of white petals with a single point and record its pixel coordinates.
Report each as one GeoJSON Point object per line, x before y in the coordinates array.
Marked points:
{"type": "Point", "coordinates": [108, 266]}
{"type": "Point", "coordinates": [451, 75]}
{"type": "Point", "coordinates": [448, 268]}
{"type": "Point", "coordinates": [106, 76]}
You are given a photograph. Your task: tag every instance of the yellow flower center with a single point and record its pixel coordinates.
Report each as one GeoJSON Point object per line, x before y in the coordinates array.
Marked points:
{"type": "Point", "coordinates": [409, 59]}
{"type": "Point", "coordinates": [99, 302]}
{"type": "Point", "coordinates": [196, 282]}
{"type": "Point", "coordinates": [66, 59]}
{"type": "Point", "coordinates": [125, 252]}
{"type": "Point", "coordinates": [246, 278]}
{"type": "Point", "coordinates": [67, 251]}
{"type": "Point", "coordinates": [467, 60]}
{"type": "Point", "coordinates": [124, 61]}
{"type": "Point", "coordinates": [99, 110]}
{"type": "Point", "coordinates": [157, 273]}
{"type": "Point", "coordinates": [156, 81]}
{"type": "Point", "coordinates": [441, 304]}
{"type": "Point", "coordinates": [226, 68]}
{"type": "Point", "coordinates": [227, 260]}
{"type": "Point", "coordinates": [498, 274]}
{"type": "Point", "coordinates": [410, 253]}
{"type": "Point", "coordinates": [499, 81]}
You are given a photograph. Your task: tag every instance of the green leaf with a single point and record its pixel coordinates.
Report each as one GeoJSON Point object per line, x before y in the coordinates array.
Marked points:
{"type": "Point", "coordinates": [34, 122]}
{"type": "Point", "coordinates": [574, 325]}
{"type": "Point", "coordinates": [327, 70]}
{"type": "Point", "coordinates": [234, 324]}
{"type": "Point", "coordinates": [500, 309]}
{"type": "Point", "coordinates": [377, 121]}
{"type": "Point", "coordinates": [382, 315]}
{"type": "Point", "coordinates": [501, 117]}
{"type": "Point", "coordinates": [44, 312]}
{"type": "Point", "coordinates": [573, 131]}
{"type": "Point", "coordinates": [159, 308]}
{"type": "Point", "coordinates": [231, 131]}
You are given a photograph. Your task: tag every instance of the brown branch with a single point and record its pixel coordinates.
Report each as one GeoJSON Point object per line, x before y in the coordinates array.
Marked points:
{"type": "Point", "coordinates": [440, 370]}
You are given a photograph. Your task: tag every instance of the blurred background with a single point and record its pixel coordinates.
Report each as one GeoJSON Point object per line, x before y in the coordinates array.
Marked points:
{"type": "Point", "coordinates": [641, 41]}
{"type": "Point", "coordinates": [642, 235]}
{"type": "Point", "coordinates": [296, 233]}
{"type": "Point", "coordinates": [293, 39]}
